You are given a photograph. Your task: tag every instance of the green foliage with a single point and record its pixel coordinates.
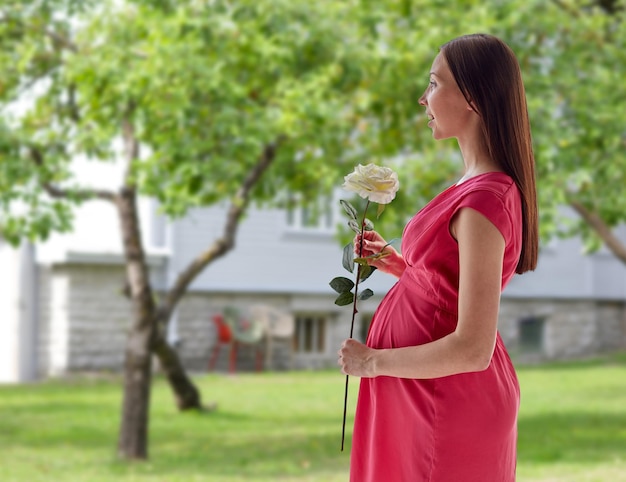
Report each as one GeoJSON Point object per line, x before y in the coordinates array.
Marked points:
{"type": "Point", "coordinates": [345, 299]}
{"type": "Point", "coordinates": [347, 259]}
{"type": "Point", "coordinates": [573, 57]}
{"type": "Point", "coordinates": [341, 284]}
{"type": "Point", "coordinates": [366, 294]}
{"type": "Point", "coordinates": [366, 271]}
{"type": "Point", "coordinates": [349, 209]}
{"type": "Point", "coordinates": [207, 85]}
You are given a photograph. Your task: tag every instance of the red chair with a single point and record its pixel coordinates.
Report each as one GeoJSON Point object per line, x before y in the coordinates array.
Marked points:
{"type": "Point", "coordinates": [232, 331]}
{"type": "Point", "coordinates": [224, 337]}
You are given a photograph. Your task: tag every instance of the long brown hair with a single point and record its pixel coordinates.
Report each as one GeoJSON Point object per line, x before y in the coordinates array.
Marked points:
{"type": "Point", "coordinates": [488, 74]}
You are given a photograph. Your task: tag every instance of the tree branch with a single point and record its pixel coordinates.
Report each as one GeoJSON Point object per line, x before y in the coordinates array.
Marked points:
{"type": "Point", "coordinates": [82, 194]}
{"type": "Point", "coordinates": [71, 102]}
{"type": "Point", "coordinates": [226, 242]}
{"type": "Point", "coordinates": [131, 146]}
{"type": "Point", "coordinates": [612, 242]}
{"type": "Point", "coordinates": [60, 193]}
{"type": "Point", "coordinates": [62, 41]}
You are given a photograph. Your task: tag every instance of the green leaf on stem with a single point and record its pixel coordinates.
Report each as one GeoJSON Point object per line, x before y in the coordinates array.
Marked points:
{"type": "Point", "coordinates": [349, 209]}
{"type": "Point", "coordinates": [348, 257]}
{"type": "Point", "coordinates": [366, 271]}
{"type": "Point", "coordinates": [381, 208]}
{"type": "Point", "coordinates": [354, 226]}
{"type": "Point", "coordinates": [341, 284]}
{"type": "Point", "coordinates": [365, 294]}
{"type": "Point", "coordinates": [362, 261]}
{"type": "Point", "coordinates": [372, 257]}
{"type": "Point", "coordinates": [345, 299]}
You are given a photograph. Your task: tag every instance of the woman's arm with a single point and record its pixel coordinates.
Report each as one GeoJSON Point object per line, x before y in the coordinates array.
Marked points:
{"type": "Point", "coordinates": [373, 243]}
{"type": "Point", "coordinates": [470, 347]}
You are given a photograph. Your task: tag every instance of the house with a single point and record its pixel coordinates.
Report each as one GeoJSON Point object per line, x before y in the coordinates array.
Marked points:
{"type": "Point", "coordinates": [62, 309]}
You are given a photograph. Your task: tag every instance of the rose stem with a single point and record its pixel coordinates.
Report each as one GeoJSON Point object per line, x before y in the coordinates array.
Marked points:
{"type": "Point", "coordinates": [354, 312]}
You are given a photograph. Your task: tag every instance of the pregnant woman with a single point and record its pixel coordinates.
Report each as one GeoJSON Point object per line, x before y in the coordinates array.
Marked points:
{"type": "Point", "coordinates": [439, 396]}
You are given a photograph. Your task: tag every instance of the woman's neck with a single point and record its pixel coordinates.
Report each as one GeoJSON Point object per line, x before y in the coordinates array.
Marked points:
{"type": "Point", "coordinates": [476, 159]}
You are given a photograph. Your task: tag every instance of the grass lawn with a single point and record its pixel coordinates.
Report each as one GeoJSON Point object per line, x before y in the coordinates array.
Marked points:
{"type": "Point", "coordinates": [287, 427]}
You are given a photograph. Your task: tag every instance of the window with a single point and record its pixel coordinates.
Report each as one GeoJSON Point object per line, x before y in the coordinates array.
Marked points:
{"type": "Point", "coordinates": [310, 334]}
{"type": "Point", "coordinates": [531, 334]}
{"type": "Point", "coordinates": [320, 217]}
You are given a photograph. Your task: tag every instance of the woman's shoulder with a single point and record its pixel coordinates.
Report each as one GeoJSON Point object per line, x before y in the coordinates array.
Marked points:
{"type": "Point", "coordinates": [491, 184]}
{"type": "Point", "coordinates": [491, 188]}
{"type": "Point", "coordinates": [495, 181]}
{"type": "Point", "coordinates": [496, 196]}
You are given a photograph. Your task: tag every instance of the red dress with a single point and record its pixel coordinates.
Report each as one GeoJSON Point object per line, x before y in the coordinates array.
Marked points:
{"type": "Point", "coordinates": [460, 428]}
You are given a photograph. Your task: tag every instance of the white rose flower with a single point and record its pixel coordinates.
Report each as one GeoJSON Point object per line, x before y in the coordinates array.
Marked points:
{"type": "Point", "coordinates": [374, 183]}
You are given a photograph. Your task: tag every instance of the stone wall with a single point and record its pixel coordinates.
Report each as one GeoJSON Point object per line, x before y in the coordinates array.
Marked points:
{"type": "Point", "coordinates": [570, 328]}
{"type": "Point", "coordinates": [83, 322]}
{"type": "Point", "coordinates": [198, 333]}
{"type": "Point", "coordinates": [84, 318]}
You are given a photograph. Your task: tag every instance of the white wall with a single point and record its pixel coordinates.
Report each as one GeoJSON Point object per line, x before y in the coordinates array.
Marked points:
{"type": "Point", "coordinates": [269, 256]}
{"type": "Point", "coordinates": [565, 272]}
{"type": "Point", "coordinates": [17, 313]}
{"type": "Point", "coordinates": [96, 227]}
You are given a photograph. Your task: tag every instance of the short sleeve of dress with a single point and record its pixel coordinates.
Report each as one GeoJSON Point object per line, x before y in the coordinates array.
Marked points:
{"type": "Point", "coordinates": [490, 205]}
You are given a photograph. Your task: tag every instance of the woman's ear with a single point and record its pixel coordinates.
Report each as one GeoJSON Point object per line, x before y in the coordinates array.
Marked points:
{"type": "Point", "coordinates": [471, 106]}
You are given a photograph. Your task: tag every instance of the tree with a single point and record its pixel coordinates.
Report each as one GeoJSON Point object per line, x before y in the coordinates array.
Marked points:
{"type": "Point", "coordinates": [574, 57]}
{"type": "Point", "coordinates": [201, 101]}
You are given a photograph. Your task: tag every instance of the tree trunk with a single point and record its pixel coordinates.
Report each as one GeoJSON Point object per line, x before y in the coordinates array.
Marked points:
{"type": "Point", "coordinates": [185, 392]}
{"type": "Point", "coordinates": [144, 337]}
{"type": "Point", "coordinates": [602, 230]}
{"type": "Point", "coordinates": [133, 437]}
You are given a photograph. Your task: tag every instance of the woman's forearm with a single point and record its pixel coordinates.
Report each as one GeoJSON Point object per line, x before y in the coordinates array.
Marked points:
{"type": "Point", "coordinates": [447, 356]}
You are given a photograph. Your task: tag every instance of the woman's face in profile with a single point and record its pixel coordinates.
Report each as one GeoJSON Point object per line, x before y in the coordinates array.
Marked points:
{"type": "Point", "coordinates": [446, 107]}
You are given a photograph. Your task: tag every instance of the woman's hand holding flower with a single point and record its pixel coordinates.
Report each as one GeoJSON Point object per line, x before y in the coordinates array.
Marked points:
{"type": "Point", "coordinates": [379, 253]}
{"type": "Point", "coordinates": [357, 359]}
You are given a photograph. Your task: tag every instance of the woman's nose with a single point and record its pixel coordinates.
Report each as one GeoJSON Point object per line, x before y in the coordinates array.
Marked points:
{"type": "Point", "coordinates": [422, 99]}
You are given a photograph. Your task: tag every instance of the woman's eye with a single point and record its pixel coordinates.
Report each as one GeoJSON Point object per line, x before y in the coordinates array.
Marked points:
{"type": "Point", "coordinates": [432, 84]}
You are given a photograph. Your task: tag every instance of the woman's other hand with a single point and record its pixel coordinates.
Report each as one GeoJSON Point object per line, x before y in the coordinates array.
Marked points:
{"type": "Point", "coordinates": [356, 359]}
{"type": "Point", "coordinates": [390, 261]}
